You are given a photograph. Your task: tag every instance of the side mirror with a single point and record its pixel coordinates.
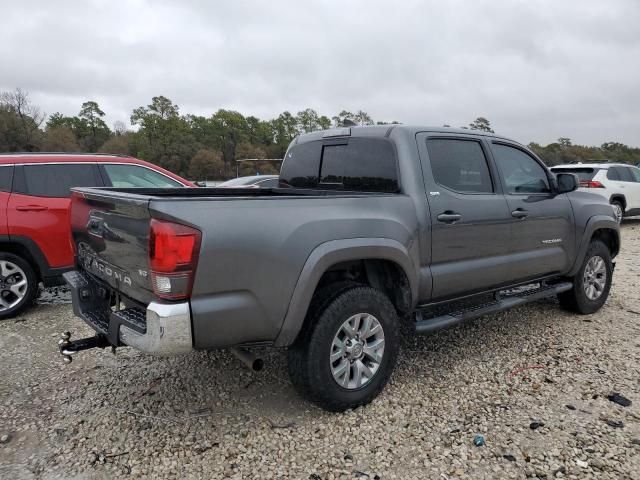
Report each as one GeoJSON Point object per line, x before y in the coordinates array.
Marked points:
{"type": "Point", "coordinates": [567, 182]}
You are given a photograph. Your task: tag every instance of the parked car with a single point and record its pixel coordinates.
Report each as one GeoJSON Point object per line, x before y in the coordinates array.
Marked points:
{"type": "Point", "coordinates": [35, 243]}
{"type": "Point", "coordinates": [618, 183]}
{"type": "Point", "coordinates": [376, 231]}
{"type": "Point", "coordinates": [255, 181]}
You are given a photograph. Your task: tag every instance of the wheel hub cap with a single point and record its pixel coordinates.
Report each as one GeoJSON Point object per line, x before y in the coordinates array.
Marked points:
{"type": "Point", "coordinates": [356, 351]}
{"type": "Point", "coordinates": [594, 278]}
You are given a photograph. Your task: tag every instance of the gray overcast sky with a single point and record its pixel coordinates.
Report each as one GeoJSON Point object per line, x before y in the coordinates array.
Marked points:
{"type": "Point", "coordinates": [537, 69]}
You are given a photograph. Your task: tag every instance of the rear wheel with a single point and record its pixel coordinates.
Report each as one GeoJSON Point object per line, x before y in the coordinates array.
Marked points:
{"type": "Point", "coordinates": [346, 353]}
{"type": "Point", "coordinates": [592, 283]}
{"type": "Point", "coordinates": [18, 285]}
{"type": "Point", "coordinates": [618, 209]}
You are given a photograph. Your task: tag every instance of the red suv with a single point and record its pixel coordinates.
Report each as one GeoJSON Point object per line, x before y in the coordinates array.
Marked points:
{"type": "Point", "coordinates": [35, 243]}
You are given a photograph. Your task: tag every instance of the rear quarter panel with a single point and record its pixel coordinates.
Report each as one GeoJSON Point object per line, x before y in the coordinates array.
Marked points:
{"type": "Point", "coordinates": [254, 250]}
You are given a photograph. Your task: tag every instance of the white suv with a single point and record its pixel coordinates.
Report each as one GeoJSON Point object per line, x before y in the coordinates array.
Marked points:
{"type": "Point", "coordinates": [617, 182]}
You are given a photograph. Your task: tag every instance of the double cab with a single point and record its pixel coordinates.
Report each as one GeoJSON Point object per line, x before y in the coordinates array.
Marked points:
{"type": "Point", "coordinates": [372, 232]}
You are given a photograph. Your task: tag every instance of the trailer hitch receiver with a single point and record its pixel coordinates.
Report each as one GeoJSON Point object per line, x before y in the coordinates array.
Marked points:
{"type": "Point", "coordinates": [70, 347]}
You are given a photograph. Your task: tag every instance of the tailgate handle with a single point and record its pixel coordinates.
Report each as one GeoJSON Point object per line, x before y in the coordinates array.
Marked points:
{"type": "Point", "coordinates": [31, 208]}
{"type": "Point", "coordinates": [99, 228]}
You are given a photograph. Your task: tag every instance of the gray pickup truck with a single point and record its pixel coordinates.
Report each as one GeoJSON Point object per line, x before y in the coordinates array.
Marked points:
{"type": "Point", "coordinates": [373, 232]}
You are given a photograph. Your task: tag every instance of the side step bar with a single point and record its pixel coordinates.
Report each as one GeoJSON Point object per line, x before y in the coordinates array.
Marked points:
{"type": "Point", "coordinates": [504, 302]}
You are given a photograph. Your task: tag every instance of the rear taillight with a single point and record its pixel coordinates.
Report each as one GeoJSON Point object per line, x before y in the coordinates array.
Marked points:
{"type": "Point", "coordinates": [591, 184]}
{"type": "Point", "coordinates": [173, 254]}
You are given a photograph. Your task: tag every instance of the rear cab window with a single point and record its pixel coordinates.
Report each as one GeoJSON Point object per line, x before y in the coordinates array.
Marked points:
{"type": "Point", "coordinates": [54, 180]}
{"type": "Point", "coordinates": [361, 164]}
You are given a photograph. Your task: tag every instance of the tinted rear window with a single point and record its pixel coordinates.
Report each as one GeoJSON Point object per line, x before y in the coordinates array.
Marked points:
{"type": "Point", "coordinates": [585, 174]}
{"type": "Point", "coordinates": [301, 166]}
{"type": "Point", "coordinates": [355, 164]}
{"type": "Point", "coordinates": [625, 174]}
{"type": "Point", "coordinates": [56, 180]}
{"type": "Point", "coordinates": [6, 178]}
{"type": "Point", "coordinates": [459, 165]}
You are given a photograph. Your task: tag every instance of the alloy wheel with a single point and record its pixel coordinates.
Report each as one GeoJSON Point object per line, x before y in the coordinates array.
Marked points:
{"type": "Point", "coordinates": [594, 278]}
{"type": "Point", "coordinates": [13, 285]}
{"type": "Point", "coordinates": [356, 351]}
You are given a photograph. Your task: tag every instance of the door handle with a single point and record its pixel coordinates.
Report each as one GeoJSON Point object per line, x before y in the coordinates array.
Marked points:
{"type": "Point", "coordinates": [449, 217]}
{"type": "Point", "coordinates": [31, 208]}
{"type": "Point", "coordinates": [520, 213]}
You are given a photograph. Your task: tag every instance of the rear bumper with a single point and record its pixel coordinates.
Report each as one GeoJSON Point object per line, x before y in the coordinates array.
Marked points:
{"type": "Point", "coordinates": [168, 330]}
{"type": "Point", "coordinates": [161, 329]}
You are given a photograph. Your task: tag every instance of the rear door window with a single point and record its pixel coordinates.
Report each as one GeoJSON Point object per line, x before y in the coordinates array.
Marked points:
{"type": "Point", "coordinates": [626, 175]}
{"type": "Point", "coordinates": [55, 180]}
{"type": "Point", "coordinates": [459, 165]}
{"type": "Point", "coordinates": [6, 178]}
{"type": "Point", "coordinates": [636, 174]}
{"type": "Point", "coordinates": [612, 174]}
{"type": "Point", "coordinates": [126, 176]}
{"type": "Point", "coordinates": [620, 174]}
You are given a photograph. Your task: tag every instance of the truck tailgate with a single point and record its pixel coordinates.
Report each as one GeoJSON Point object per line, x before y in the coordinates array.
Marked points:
{"type": "Point", "coordinates": [111, 235]}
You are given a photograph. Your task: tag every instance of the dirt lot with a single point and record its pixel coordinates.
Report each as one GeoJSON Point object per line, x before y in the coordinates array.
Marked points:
{"type": "Point", "coordinates": [533, 382]}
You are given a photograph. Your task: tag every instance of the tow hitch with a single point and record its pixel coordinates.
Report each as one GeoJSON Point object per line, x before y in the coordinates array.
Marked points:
{"type": "Point", "coordinates": [69, 347]}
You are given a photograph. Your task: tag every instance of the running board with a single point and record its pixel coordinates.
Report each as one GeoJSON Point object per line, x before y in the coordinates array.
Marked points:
{"type": "Point", "coordinates": [502, 302]}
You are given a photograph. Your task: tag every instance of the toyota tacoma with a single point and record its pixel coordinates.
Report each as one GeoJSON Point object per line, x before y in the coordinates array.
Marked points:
{"type": "Point", "coordinates": [372, 233]}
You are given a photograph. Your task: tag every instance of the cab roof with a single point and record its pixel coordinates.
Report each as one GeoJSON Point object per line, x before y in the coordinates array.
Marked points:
{"type": "Point", "coordinates": [386, 130]}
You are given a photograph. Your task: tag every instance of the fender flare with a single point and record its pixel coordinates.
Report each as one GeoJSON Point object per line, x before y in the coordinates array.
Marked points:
{"type": "Point", "coordinates": [597, 222]}
{"type": "Point", "coordinates": [330, 253]}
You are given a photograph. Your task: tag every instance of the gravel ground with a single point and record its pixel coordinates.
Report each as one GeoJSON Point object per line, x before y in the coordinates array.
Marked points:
{"type": "Point", "coordinates": [533, 382]}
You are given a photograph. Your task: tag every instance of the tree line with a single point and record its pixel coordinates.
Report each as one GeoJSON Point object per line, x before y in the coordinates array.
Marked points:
{"type": "Point", "coordinates": [207, 147]}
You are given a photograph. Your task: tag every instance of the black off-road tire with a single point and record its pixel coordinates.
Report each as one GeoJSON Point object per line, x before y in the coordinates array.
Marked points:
{"type": "Point", "coordinates": [32, 285]}
{"type": "Point", "coordinates": [308, 358]}
{"type": "Point", "coordinates": [576, 300]}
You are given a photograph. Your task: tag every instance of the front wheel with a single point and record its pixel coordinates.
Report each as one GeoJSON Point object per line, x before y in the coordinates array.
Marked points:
{"type": "Point", "coordinates": [18, 285]}
{"type": "Point", "coordinates": [592, 283]}
{"type": "Point", "coordinates": [347, 350]}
